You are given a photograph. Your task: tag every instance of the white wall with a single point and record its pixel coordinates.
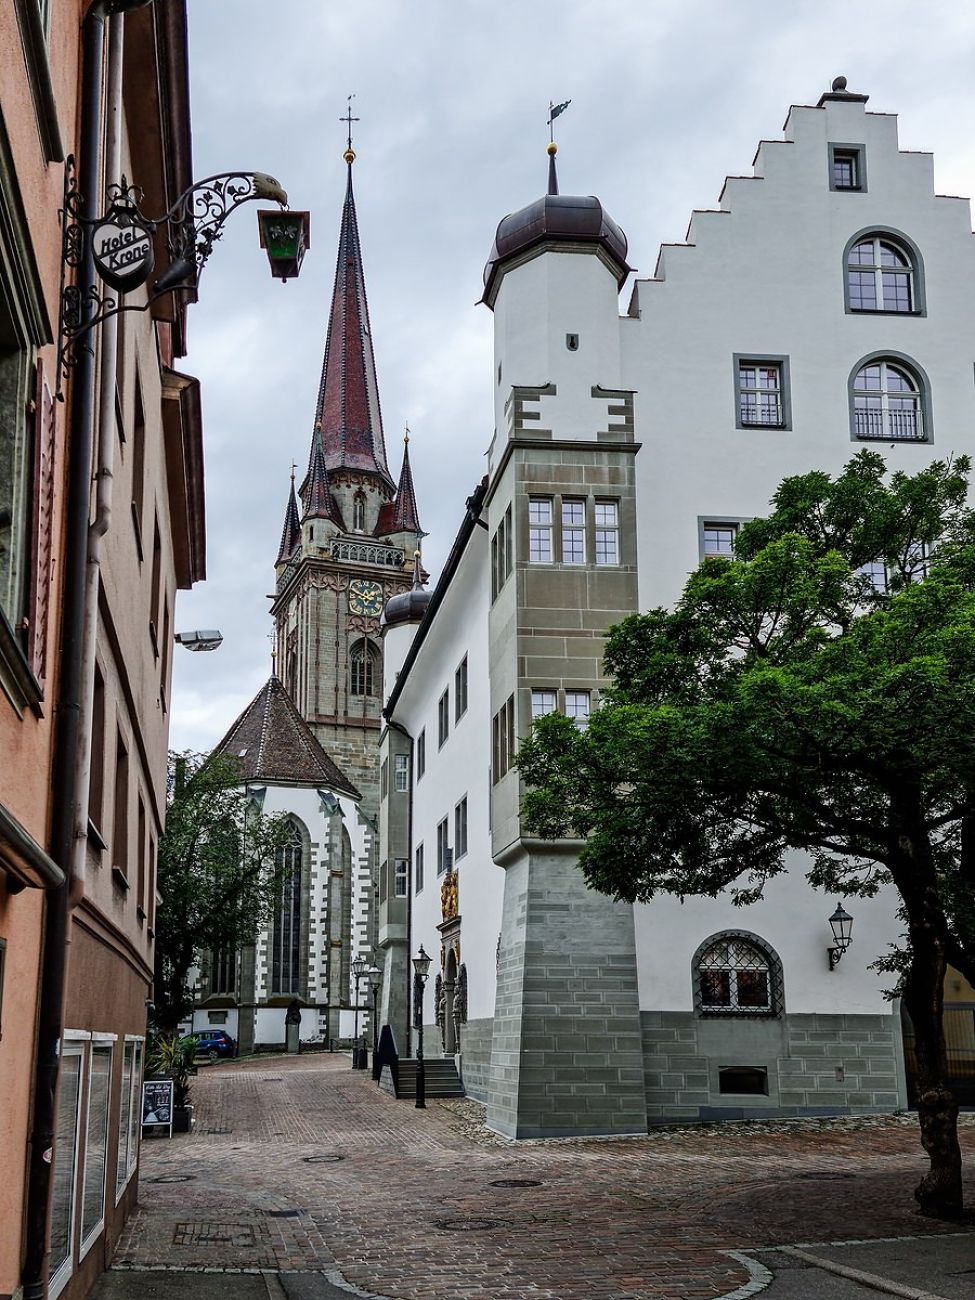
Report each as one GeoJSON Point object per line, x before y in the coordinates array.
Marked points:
{"type": "Point", "coordinates": [460, 767]}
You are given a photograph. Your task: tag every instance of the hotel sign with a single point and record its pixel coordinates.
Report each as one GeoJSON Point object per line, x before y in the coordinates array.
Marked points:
{"type": "Point", "coordinates": [122, 248]}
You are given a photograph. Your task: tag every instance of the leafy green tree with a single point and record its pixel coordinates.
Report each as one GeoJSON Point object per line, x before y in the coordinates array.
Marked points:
{"type": "Point", "coordinates": [217, 874]}
{"type": "Point", "coordinates": [796, 698]}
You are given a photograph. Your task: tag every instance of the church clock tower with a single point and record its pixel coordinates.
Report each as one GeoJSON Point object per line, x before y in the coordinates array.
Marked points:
{"type": "Point", "coordinates": [348, 540]}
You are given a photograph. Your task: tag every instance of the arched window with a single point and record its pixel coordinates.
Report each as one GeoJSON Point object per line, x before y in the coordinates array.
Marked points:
{"type": "Point", "coordinates": [887, 402]}
{"type": "Point", "coordinates": [737, 974]}
{"type": "Point", "coordinates": [285, 963]}
{"type": "Point", "coordinates": [359, 513]}
{"type": "Point", "coordinates": [881, 275]}
{"type": "Point", "coordinates": [364, 669]}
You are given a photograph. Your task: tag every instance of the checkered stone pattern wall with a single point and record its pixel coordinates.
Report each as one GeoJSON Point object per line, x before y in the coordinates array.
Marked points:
{"type": "Point", "coordinates": [815, 1064]}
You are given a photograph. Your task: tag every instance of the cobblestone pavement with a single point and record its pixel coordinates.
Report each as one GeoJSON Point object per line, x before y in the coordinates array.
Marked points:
{"type": "Point", "coordinates": [301, 1164]}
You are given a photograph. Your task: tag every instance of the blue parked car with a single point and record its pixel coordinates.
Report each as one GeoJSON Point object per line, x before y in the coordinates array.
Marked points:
{"type": "Point", "coordinates": [214, 1044]}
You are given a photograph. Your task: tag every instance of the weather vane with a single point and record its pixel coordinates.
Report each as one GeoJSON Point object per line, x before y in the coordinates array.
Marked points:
{"type": "Point", "coordinates": [294, 466]}
{"type": "Point", "coordinates": [553, 112]}
{"type": "Point", "coordinates": [348, 119]}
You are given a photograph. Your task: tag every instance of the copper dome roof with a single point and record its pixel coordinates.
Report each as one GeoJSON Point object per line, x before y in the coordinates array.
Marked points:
{"type": "Point", "coordinates": [564, 217]}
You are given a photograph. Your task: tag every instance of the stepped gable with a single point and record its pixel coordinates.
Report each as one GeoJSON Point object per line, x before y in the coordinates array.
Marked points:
{"type": "Point", "coordinates": [347, 413]}
{"type": "Point", "coordinates": [273, 743]}
{"type": "Point", "coordinates": [401, 515]}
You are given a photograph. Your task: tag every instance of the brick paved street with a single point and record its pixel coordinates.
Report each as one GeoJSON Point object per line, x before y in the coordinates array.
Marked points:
{"type": "Point", "coordinates": [303, 1165]}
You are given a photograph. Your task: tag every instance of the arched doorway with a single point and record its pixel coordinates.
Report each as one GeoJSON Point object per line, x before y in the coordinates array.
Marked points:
{"type": "Point", "coordinates": [450, 988]}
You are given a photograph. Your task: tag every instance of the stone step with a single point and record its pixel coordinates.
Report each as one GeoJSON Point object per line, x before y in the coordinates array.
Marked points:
{"type": "Point", "coordinates": [441, 1079]}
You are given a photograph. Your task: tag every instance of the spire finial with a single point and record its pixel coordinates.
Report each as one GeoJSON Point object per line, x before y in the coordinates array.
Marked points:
{"type": "Point", "coordinates": [406, 435]}
{"type": "Point", "coordinates": [294, 466]}
{"type": "Point", "coordinates": [348, 119]}
{"type": "Point", "coordinates": [417, 569]}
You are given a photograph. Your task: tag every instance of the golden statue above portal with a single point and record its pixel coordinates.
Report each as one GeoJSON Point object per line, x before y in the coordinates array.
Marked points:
{"type": "Point", "coordinates": [448, 896]}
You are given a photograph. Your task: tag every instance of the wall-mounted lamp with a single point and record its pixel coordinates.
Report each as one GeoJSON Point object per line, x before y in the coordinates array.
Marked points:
{"type": "Point", "coordinates": [284, 237]}
{"type": "Point", "coordinates": [841, 923]}
{"type": "Point", "coordinates": [208, 639]}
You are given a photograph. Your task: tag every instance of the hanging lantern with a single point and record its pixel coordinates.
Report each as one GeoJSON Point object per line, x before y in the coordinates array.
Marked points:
{"type": "Point", "coordinates": [284, 236]}
{"type": "Point", "coordinates": [841, 923]}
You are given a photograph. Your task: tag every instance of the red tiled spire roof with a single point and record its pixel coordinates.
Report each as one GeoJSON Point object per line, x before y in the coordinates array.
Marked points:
{"type": "Point", "coordinates": [291, 532]}
{"type": "Point", "coordinates": [272, 742]}
{"type": "Point", "coordinates": [347, 412]}
{"type": "Point", "coordinates": [317, 494]}
{"type": "Point", "coordinates": [401, 515]}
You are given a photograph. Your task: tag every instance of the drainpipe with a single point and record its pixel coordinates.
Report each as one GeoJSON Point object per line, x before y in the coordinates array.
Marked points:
{"type": "Point", "coordinates": [104, 465]}
{"type": "Point", "coordinates": [65, 801]}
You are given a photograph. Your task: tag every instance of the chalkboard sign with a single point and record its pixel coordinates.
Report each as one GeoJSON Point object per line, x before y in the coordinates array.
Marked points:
{"type": "Point", "coordinates": [157, 1103]}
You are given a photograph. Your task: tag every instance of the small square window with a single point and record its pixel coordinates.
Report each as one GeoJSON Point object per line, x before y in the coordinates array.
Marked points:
{"type": "Point", "coordinates": [846, 167]}
{"type": "Point", "coordinates": [718, 539]}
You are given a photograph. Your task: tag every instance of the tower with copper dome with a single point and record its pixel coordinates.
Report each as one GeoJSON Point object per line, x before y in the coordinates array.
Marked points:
{"type": "Point", "coordinates": [348, 539]}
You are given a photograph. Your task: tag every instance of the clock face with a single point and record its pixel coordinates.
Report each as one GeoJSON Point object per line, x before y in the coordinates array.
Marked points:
{"type": "Point", "coordinates": [366, 598]}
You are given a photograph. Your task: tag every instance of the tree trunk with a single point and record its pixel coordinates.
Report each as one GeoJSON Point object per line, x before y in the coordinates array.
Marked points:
{"type": "Point", "coordinates": [939, 1194]}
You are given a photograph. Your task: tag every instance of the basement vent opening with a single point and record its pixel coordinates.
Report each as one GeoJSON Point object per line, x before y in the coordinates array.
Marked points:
{"type": "Point", "coordinates": [743, 1080]}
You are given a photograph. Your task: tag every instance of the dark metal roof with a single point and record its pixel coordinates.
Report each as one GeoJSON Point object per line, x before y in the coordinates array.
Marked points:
{"type": "Point", "coordinates": [291, 531]}
{"type": "Point", "coordinates": [347, 411]}
{"type": "Point", "coordinates": [272, 742]}
{"type": "Point", "coordinates": [401, 515]}
{"type": "Point", "coordinates": [561, 217]}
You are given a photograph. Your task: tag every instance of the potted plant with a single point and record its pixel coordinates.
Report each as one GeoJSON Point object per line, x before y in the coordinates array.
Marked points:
{"type": "Point", "coordinates": [172, 1058]}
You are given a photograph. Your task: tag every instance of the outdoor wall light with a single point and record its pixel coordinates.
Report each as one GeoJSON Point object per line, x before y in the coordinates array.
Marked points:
{"type": "Point", "coordinates": [208, 639]}
{"type": "Point", "coordinates": [285, 236]}
{"type": "Point", "coordinates": [841, 923]}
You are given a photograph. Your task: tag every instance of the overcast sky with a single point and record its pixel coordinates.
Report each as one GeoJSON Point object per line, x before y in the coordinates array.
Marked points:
{"type": "Point", "coordinates": [667, 98]}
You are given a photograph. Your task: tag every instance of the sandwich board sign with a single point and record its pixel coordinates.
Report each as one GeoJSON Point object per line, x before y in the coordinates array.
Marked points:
{"type": "Point", "coordinates": [157, 1104]}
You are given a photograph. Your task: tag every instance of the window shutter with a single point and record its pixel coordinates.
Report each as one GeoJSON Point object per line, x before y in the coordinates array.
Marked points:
{"type": "Point", "coordinates": [42, 527]}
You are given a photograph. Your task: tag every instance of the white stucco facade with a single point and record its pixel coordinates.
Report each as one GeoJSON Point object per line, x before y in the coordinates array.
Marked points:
{"type": "Point", "coordinates": [581, 393]}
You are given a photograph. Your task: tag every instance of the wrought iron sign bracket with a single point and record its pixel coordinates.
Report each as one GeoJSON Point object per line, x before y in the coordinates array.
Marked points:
{"type": "Point", "coordinates": [121, 246]}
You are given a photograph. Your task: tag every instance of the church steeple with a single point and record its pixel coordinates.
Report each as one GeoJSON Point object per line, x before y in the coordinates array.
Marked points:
{"type": "Point", "coordinates": [347, 413]}
{"type": "Point", "coordinates": [291, 532]}
{"type": "Point", "coordinates": [401, 515]}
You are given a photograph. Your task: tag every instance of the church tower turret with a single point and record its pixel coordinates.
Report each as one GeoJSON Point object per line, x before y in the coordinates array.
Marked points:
{"type": "Point", "coordinates": [349, 549]}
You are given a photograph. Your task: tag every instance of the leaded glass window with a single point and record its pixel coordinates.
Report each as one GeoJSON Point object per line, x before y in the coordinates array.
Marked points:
{"type": "Point", "coordinates": [286, 929]}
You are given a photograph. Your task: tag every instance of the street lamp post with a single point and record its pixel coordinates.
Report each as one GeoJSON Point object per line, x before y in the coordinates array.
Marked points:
{"type": "Point", "coordinates": [421, 968]}
{"type": "Point", "coordinates": [375, 977]}
{"type": "Point", "coordinates": [358, 970]}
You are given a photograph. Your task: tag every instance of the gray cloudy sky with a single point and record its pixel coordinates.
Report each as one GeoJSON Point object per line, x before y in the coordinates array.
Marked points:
{"type": "Point", "coordinates": [667, 98]}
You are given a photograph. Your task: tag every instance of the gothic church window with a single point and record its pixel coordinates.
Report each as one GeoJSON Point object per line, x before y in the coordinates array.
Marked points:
{"type": "Point", "coordinates": [285, 944]}
{"type": "Point", "coordinates": [737, 974]}
{"type": "Point", "coordinates": [359, 513]}
{"type": "Point", "coordinates": [364, 669]}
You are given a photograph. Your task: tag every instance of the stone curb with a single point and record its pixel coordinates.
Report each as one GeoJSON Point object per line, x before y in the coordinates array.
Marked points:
{"type": "Point", "coordinates": [872, 1280]}
{"type": "Point", "coordinates": [760, 1277]}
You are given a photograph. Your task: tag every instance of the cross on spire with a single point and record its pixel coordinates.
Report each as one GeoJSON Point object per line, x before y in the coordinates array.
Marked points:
{"type": "Point", "coordinates": [348, 119]}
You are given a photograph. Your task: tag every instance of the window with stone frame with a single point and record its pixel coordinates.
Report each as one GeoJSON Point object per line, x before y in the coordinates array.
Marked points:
{"type": "Point", "coordinates": [578, 705]}
{"type": "Point", "coordinates": [460, 829]}
{"type": "Point", "coordinates": [503, 740]}
{"type": "Point", "coordinates": [284, 946]}
{"type": "Point", "coordinates": [543, 702]}
{"type": "Point", "coordinates": [573, 531]}
{"type": "Point", "coordinates": [880, 275]}
{"type": "Point", "coordinates": [460, 690]}
{"type": "Point", "coordinates": [418, 876]}
{"type": "Point", "coordinates": [888, 402]}
{"type": "Point", "coordinates": [737, 974]}
{"type": "Point", "coordinates": [718, 538]}
{"type": "Point", "coordinates": [761, 394]}
{"type": "Point", "coordinates": [607, 532]}
{"type": "Point", "coordinates": [401, 877]}
{"type": "Point", "coordinates": [501, 558]}
{"type": "Point", "coordinates": [540, 530]}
